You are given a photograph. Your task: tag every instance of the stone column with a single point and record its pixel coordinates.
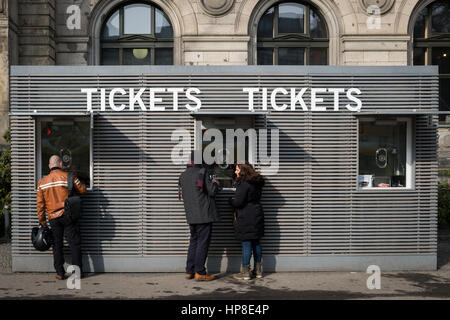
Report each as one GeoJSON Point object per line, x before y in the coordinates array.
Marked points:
{"type": "Point", "coordinates": [36, 32]}
{"type": "Point", "coordinates": [72, 37]}
{"type": "Point", "coordinates": [444, 148]}
{"type": "Point", "coordinates": [4, 71]}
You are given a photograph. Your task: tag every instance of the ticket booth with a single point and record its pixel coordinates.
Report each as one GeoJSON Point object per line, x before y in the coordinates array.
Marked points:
{"type": "Point", "coordinates": [356, 182]}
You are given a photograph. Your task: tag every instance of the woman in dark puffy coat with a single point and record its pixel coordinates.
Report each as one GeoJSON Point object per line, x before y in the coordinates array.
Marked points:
{"type": "Point", "coordinates": [249, 226]}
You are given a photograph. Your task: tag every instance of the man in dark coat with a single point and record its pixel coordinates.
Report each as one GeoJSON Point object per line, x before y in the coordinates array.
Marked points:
{"type": "Point", "coordinates": [198, 193]}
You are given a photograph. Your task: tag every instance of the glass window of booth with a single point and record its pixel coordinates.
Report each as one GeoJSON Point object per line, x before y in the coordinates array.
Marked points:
{"type": "Point", "coordinates": [70, 138]}
{"type": "Point", "coordinates": [137, 34]}
{"type": "Point", "coordinates": [385, 153]}
{"type": "Point", "coordinates": [240, 138]}
{"type": "Point", "coordinates": [292, 33]}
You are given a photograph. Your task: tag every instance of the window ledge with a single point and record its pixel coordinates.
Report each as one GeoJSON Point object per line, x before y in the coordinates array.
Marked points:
{"type": "Point", "coordinates": [392, 189]}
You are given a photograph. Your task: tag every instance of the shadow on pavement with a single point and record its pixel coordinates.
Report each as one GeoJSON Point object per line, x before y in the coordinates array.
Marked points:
{"type": "Point", "coordinates": [432, 286]}
{"type": "Point", "coordinates": [432, 290]}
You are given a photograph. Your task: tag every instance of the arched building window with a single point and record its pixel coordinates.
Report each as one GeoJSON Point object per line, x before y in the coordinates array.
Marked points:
{"type": "Point", "coordinates": [136, 33]}
{"type": "Point", "coordinates": [432, 46]}
{"type": "Point", "coordinates": [292, 33]}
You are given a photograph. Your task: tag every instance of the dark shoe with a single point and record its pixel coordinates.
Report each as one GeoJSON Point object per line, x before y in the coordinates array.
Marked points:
{"type": "Point", "coordinates": [257, 271]}
{"type": "Point", "coordinates": [204, 277]}
{"type": "Point", "coordinates": [60, 276]}
{"type": "Point", "coordinates": [245, 274]}
{"type": "Point", "coordinates": [189, 276]}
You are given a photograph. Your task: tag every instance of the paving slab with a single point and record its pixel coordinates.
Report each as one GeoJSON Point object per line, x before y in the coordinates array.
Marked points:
{"type": "Point", "coordinates": [276, 286]}
{"type": "Point", "coordinates": [285, 285]}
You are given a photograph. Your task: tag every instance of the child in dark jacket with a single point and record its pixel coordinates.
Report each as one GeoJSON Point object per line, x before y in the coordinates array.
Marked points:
{"type": "Point", "coordinates": [249, 226]}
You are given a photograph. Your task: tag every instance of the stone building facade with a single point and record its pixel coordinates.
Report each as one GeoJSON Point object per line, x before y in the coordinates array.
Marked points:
{"type": "Point", "coordinates": [205, 32]}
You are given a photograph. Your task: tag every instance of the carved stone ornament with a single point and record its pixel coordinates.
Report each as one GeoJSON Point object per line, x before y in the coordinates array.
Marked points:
{"type": "Point", "coordinates": [216, 7]}
{"type": "Point", "coordinates": [384, 5]}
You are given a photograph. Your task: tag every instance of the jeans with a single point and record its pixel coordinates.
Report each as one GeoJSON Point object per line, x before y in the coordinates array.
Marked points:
{"type": "Point", "coordinates": [60, 226]}
{"type": "Point", "coordinates": [198, 247]}
{"type": "Point", "coordinates": [247, 248]}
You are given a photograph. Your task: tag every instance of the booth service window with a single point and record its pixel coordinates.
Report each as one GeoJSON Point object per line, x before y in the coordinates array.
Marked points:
{"type": "Point", "coordinates": [432, 47]}
{"type": "Point", "coordinates": [292, 33]}
{"type": "Point", "coordinates": [70, 138]}
{"type": "Point", "coordinates": [137, 34]}
{"type": "Point", "coordinates": [385, 159]}
{"type": "Point", "coordinates": [224, 172]}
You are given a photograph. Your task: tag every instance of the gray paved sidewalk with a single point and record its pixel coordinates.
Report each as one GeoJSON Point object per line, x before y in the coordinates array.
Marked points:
{"type": "Point", "coordinates": [295, 285]}
{"type": "Point", "coordinates": [298, 285]}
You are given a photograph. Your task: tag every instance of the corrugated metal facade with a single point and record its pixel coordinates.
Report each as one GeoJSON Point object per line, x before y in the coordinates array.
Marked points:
{"type": "Point", "coordinates": [316, 218]}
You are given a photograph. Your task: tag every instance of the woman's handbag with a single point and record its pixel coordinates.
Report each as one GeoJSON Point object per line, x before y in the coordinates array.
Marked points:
{"type": "Point", "coordinates": [230, 201]}
{"type": "Point", "coordinates": [72, 205]}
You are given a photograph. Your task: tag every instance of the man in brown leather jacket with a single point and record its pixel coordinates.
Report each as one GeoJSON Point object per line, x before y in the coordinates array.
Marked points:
{"type": "Point", "coordinates": [51, 194]}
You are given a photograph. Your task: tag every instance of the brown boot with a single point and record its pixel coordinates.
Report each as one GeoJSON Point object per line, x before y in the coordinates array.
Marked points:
{"type": "Point", "coordinates": [60, 276]}
{"type": "Point", "coordinates": [257, 272]}
{"type": "Point", "coordinates": [204, 277]}
{"type": "Point", "coordinates": [245, 274]}
{"type": "Point", "coordinates": [189, 276]}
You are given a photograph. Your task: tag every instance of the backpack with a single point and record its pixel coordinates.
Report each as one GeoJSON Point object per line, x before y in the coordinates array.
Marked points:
{"type": "Point", "coordinates": [72, 205]}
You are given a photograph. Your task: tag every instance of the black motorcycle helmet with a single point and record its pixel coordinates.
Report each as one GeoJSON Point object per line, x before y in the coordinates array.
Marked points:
{"type": "Point", "coordinates": [41, 238]}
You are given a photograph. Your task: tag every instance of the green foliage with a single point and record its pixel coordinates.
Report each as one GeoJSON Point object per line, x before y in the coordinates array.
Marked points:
{"type": "Point", "coordinates": [444, 204]}
{"type": "Point", "coordinates": [5, 179]}
{"type": "Point", "coordinates": [444, 172]}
